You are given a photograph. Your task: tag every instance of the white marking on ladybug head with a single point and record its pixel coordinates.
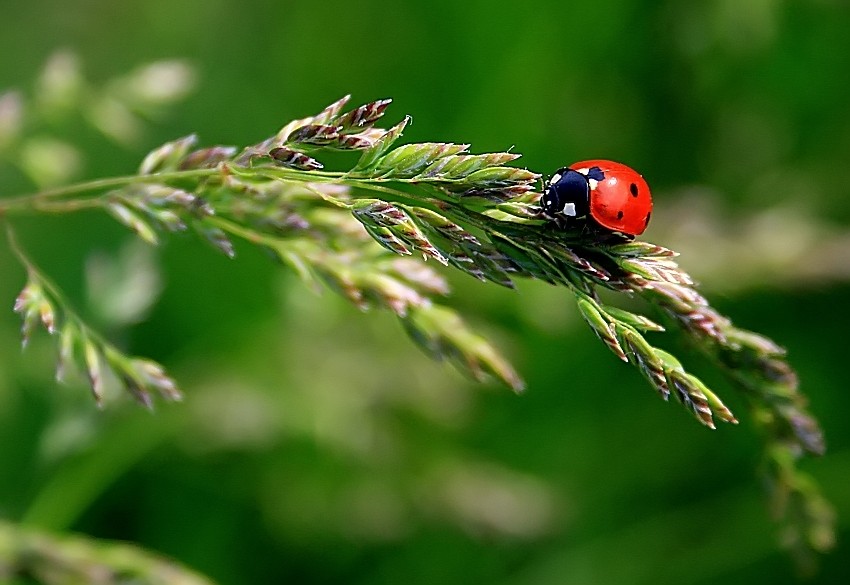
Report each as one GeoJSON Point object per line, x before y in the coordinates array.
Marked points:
{"type": "Point", "coordinates": [569, 209]}
{"type": "Point", "coordinates": [593, 183]}
{"type": "Point", "coordinates": [555, 178]}
{"type": "Point", "coordinates": [584, 171]}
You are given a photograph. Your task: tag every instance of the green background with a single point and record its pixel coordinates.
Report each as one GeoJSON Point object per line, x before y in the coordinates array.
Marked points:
{"type": "Point", "coordinates": [316, 444]}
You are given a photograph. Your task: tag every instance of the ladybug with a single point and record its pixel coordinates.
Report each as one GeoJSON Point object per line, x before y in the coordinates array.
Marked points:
{"type": "Point", "coordinates": [601, 197]}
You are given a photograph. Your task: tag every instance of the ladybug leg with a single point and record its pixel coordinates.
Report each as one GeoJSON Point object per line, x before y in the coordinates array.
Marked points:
{"type": "Point", "coordinates": [544, 181]}
{"type": "Point", "coordinates": [609, 237]}
{"type": "Point", "coordinates": [540, 214]}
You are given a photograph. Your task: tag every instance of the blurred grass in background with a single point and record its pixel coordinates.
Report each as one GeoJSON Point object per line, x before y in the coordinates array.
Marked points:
{"type": "Point", "coordinates": [316, 444]}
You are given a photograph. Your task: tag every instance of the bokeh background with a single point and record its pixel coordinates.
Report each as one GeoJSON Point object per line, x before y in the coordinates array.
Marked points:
{"type": "Point", "coordinates": [316, 444]}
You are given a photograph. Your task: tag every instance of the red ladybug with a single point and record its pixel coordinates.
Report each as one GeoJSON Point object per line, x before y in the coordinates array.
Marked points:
{"type": "Point", "coordinates": [600, 196]}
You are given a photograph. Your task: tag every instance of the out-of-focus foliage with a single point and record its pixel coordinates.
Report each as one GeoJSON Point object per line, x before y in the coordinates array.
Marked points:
{"type": "Point", "coordinates": [315, 444]}
{"type": "Point", "coordinates": [30, 556]}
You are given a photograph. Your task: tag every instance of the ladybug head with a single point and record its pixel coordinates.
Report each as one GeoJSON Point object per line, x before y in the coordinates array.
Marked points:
{"type": "Point", "coordinates": [566, 194]}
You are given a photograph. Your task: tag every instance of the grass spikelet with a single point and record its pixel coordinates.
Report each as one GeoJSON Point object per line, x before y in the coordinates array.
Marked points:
{"type": "Point", "coordinates": [442, 333]}
{"type": "Point", "coordinates": [134, 221]}
{"type": "Point", "coordinates": [593, 316]}
{"type": "Point", "coordinates": [362, 117]}
{"type": "Point", "coordinates": [409, 160]}
{"type": "Point", "coordinates": [383, 215]}
{"type": "Point", "coordinates": [332, 111]}
{"type": "Point", "coordinates": [207, 158]}
{"type": "Point", "coordinates": [287, 157]}
{"type": "Point", "coordinates": [372, 155]}
{"type": "Point", "coordinates": [168, 157]}
{"type": "Point", "coordinates": [94, 370]}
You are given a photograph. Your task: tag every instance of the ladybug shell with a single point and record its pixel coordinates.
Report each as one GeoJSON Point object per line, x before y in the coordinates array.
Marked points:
{"type": "Point", "coordinates": [619, 196]}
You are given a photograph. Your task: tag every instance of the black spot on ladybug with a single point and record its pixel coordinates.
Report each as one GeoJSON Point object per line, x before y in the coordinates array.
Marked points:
{"type": "Point", "coordinates": [633, 190]}
{"type": "Point", "coordinates": [620, 214]}
{"type": "Point", "coordinates": [646, 221]}
{"type": "Point", "coordinates": [596, 174]}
